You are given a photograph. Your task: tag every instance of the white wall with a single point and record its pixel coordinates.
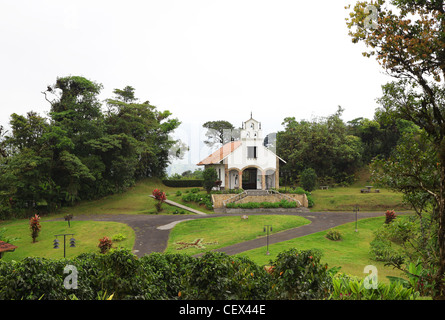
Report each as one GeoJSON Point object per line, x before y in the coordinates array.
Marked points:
{"type": "Point", "coordinates": [238, 158]}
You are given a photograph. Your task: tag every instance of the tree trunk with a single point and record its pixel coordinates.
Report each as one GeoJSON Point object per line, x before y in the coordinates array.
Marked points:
{"type": "Point", "coordinates": [439, 293]}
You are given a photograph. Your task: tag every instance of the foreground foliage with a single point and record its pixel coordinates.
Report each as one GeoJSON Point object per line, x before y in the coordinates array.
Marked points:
{"type": "Point", "coordinates": [121, 275]}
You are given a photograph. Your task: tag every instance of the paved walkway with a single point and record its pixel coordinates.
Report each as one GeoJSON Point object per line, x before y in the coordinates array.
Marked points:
{"type": "Point", "coordinates": [172, 203]}
{"type": "Point", "coordinates": [320, 221]}
{"type": "Point", "coordinates": [152, 231]}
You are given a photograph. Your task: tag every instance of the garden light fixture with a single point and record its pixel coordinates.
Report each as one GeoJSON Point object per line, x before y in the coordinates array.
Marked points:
{"type": "Point", "coordinates": [72, 242]}
{"type": "Point", "coordinates": [267, 228]}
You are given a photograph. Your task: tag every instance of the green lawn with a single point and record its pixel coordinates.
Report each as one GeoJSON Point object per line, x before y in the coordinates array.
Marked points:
{"type": "Point", "coordinates": [225, 231]}
{"type": "Point", "coordinates": [345, 198]}
{"type": "Point", "coordinates": [86, 233]}
{"type": "Point", "coordinates": [136, 200]}
{"type": "Point", "coordinates": [351, 253]}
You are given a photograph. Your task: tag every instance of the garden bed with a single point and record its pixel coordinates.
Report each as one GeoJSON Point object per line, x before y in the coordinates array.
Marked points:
{"type": "Point", "coordinates": [261, 210]}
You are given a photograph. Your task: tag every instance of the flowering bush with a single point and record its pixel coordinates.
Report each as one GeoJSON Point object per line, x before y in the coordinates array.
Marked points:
{"type": "Point", "coordinates": [105, 244]}
{"type": "Point", "coordinates": [160, 196]}
{"type": "Point", "coordinates": [35, 227]}
{"type": "Point", "coordinates": [390, 216]}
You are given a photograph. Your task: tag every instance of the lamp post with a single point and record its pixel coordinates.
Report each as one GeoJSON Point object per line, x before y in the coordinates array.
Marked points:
{"type": "Point", "coordinates": [68, 218]}
{"type": "Point", "coordinates": [356, 210]}
{"type": "Point", "coordinates": [56, 242]}
{"type": "Point", "coordinates": [267, 228]}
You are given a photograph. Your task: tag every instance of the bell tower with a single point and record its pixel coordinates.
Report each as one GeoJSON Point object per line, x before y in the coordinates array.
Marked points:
{"type": "Point", "coordinates": [251, 130]}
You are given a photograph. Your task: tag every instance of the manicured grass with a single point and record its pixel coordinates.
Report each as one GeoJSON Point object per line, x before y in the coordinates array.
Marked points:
{"type": "Point", "coordinates": [345, 198]}
{"type": "Point", "coordinates": [86, 233]}
{"type": "Point", "coordinates": [136, 200]}
{"type": "Point", "coordinates": [227, 230]}
{"type": "Point", "coordinates": [351, 253]}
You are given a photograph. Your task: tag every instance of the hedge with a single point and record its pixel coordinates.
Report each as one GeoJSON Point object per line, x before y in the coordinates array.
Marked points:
{"type": "Point", "coordinates": [121, 275]}
{"type": "Point", "coordinates": [183, 183]}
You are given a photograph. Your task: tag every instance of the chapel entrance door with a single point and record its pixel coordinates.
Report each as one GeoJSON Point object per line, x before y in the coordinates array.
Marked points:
{"type": "Point", "coordinates": [250, 178]}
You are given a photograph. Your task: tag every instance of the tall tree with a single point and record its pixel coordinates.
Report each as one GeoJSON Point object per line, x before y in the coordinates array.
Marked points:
{"type": "Point", "coordinates": [322, 144]}
{"type": "Point", "coordinates": [147, 130]}
{"type": "Point", "coordinates": [407, 37]}
{"type": "Point", "coordinates": [76, 108]}
{"type": "Point", "coordinates": [81, 152]}
{"type": "Point", "coordinates": [219, 132]}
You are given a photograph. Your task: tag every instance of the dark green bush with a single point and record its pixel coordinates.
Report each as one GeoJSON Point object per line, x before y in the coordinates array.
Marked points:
{"type": "Point", "coordinates": [183, 183]}
{"type": "Point", "coordinates": [201, 199]}
{"type": "Point", "coordinates": [308, 179]}
{"type": "Point", "coordinates": [300, 275]}
{"type": "Point", "coordinates": [253, 205]}
{"type": "Point", "coordinates": [217, 276]}
{"type": "Point", "coordinates": [293, 275]}
{"type": "Point", "coordinates": [171, 271]}
{"type": "Point", "coordinates": [32, 278]}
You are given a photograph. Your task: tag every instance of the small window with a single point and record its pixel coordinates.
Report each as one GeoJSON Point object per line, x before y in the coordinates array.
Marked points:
{"type": "Point", "coordinates": [251, 152]}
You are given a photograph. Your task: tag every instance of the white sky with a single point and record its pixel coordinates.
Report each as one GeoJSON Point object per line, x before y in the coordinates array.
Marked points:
{"type": "Point", "coordinates": [203, 60]}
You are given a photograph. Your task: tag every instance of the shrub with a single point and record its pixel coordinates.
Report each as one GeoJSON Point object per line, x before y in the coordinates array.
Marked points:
{"type": "Point", "coordinates": [287, 204]}
{"type": "Point", "coordinates": [105, 245]}
{"type": "Point", "coordinates": [171, 271]}
{"type": "Point", "coordinates": [345, 287]}
{"type": "Point", "coordinates": [253, 205]}
{"type": "Point", "coordinates": [183, 183]}
{"type": "Point", "coordinates": [160, 197]}
{"type": "Point", "coordinates": [201, 199]}
{"type": "Point", "coordinates": [178, 193]}
{"type": "Point", "coordinates": [210, 177]}
{"type": "Point", "coordinates": [217, 276]}
{"type": "Point", "coordinates": [293, 275]}
{"type": "Point", "coordinates": [31, 279]}
{"type": "Point", "coordinates": [300, 275]}
{"type": "Point", "coordinates": [390, 215]}
{"type": "Point", "coordinates": [308, 179]}
{"type": "Point", "coordinates": [118, 237]}
{"type": "Point", "coordinates": [334, 235]}
{"type": "Point", "coordinates": [310, 200]}
{"type": "Point", "coordinates": [270, 204]}
{"type": "Point", "coordinates": [35, 227]}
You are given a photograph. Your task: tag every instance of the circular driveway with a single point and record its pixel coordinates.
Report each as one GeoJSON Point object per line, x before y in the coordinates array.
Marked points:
{"type": "Point", "coordinates": [152, 231]}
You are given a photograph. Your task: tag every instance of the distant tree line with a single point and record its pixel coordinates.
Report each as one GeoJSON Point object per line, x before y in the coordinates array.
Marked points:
{"type": "Point", "coordinates": [335, 149]}
{"type": "Point", "coordinates": [82, 150]}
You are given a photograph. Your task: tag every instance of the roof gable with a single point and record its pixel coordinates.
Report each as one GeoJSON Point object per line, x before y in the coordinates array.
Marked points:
{"type": "Point", "coordinates": [220, 154]}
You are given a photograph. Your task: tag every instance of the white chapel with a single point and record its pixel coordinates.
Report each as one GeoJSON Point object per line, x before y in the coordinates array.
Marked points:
{"type": "Point", "coordinates": [246, 163]}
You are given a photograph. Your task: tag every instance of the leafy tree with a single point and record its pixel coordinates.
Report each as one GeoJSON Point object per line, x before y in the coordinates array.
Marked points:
{"type": "Point", "coordinates": [150, 131]}
{"type": "Point", "coordinates": [210, 176]}
{"type": "Point", "coordinates": [218, 132]}
{"type": "Point", "coordinates": [81, 152]}
{"type": "Point", "coordinates": [407, 37]}
{"type": "Point", "coordinates": [308, 179]}
{"type": "Point", "coordinates": [323, 145]}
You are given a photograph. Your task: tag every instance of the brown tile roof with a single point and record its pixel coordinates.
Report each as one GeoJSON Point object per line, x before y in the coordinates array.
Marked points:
{"type": "Point", "coordinates": [220, 154]}
{"type": "Point", "coordinates": [4, 246]}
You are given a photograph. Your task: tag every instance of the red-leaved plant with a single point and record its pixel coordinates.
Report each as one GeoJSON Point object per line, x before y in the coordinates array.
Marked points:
{"type": "Point", "coordinates": [35, 227]}
{"type": "Point", "coordinates": [390, 216]}
{"type": "Point", "coordinates": [160, 196]}
{"type": "Point", "coordinates": [105, 244]}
